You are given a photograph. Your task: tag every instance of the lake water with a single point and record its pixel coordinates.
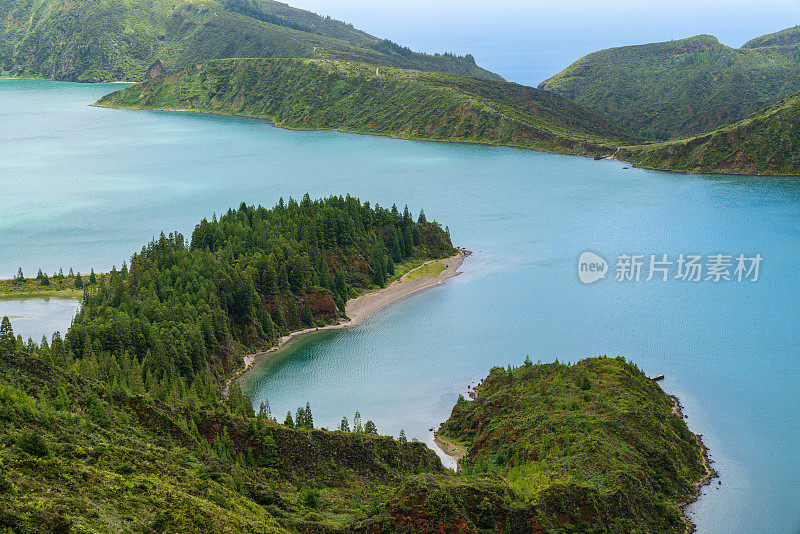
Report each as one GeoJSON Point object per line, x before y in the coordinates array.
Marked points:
{"type": "Point", "coordinates": [84, 187]}
{"type": "Point", "coordinates": [36, 317]}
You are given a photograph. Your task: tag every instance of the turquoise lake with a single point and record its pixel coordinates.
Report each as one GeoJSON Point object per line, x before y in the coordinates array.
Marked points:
{"type": "Point", "coordinates": [84, 187]}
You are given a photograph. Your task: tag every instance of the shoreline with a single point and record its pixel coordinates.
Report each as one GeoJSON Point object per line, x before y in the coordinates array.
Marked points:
{"type": "Point", "coordinates": [610, 156]}
{"type": "Point", "coordinates": [361, 308]}
{"type": "Point", "coordinates": [457, 453]}
{"type": "Point", "coordinates": [453, 450]}
{"type": "Point", "coordinates": [710, 474]}
{"type": "Point", "coordinates": [333, 129]}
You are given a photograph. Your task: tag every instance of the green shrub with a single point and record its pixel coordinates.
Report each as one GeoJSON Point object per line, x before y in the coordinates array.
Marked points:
{"type": "Point", "coordinates": [5, 484]}
{"type": "Point", "coordinates": [310, 498]}
{"type": "Point", "coordinates": [33, 443]}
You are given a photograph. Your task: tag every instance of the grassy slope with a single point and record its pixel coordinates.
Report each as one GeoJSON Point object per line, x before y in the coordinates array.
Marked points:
{"type": "Point", "coordinates": [107, 40]}
{"type": "Point", "coordinates": [31, 287]}
{"type": "Point", "coordinates": [768, 142]}
{"type": "Point", "coordinates": [116, 462]}
{"type": "Point", "coordinates": [594, 445]}
{"type": "Point", "coordinates": [320, 94]}
{"type": "Point", "coordinates": [429, 269]}
{"type": "Point", "coordinates": [683, 87]}
{"type": "Point", "coordinates": [120, 463]}
{"type": "Point", "coordinates": [789, 36]}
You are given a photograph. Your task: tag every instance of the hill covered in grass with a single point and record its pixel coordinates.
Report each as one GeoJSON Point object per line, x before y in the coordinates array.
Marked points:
{"type": "Point", "coordinates": [767, 142]}
{"type": "Point", "coordinates": [787, 37]}
{"type": "Point", "coordinates": [591, 447]}
{"type": "Point", "coordinates": [84, 454]}
{"type": "Point", "coordinates": [113, 40]}
{"type": "Point", "coordinates": [356, 97]}
{"type": "Point", "coordinates": [686, 86]}
{"type": "Point", "coordinates": [92, 452]}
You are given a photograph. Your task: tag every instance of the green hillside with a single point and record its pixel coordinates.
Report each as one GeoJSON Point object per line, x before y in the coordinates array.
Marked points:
{"type": "Point", "coordinates": [110, 40]}
{"type": "Point", "coordinates": [93, 452]}
{"type": "Point", "coordinates": [787, 37]}
{"type": "Point", "coordinates": [767, 142]}
{"type": "Point", "coordinates": [683, 87]}
{"type": "Point", "coordinates": [593, 447]}
{"type": "Point", "coordinates": [82, 454]}
{"type": "Point", "coordinates": [355, 97]}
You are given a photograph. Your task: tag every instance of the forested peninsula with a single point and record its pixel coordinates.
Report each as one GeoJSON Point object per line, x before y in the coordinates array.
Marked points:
{"type": "Point", "coordinates": [186, 312]}
{"type": "Point", "coordinates": [362, 98]}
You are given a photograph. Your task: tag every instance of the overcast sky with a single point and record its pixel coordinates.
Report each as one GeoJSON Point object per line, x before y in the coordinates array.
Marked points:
{"type": "Point", "coordinates": [528, 41]}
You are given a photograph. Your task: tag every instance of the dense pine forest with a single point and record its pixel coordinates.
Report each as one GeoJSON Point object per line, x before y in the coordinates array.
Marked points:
{"type": "Point", "coordinates": [178, 319]}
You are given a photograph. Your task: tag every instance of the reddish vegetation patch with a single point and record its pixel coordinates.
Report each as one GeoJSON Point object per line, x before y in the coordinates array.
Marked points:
{"type": "Point", "coordinates": [323, 306]}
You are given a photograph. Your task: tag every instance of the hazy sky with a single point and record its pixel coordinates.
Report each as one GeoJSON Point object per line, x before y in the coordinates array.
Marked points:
{"type": "Point", "coordinates": [529, 41]}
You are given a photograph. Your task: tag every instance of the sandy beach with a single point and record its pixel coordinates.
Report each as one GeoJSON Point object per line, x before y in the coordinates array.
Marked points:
{"type": "Point", "coordinates": [358, 309]}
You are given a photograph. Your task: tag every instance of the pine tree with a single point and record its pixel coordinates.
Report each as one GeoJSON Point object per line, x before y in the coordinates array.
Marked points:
{"type": "Point", "coordinates": [264, 412]}
{"type": "Point", "coordinates": [357, 424]}
{"type": "Point", "coordinates": [293, 321]}
{"type": "Point", "coordinates": [20, 278]}
{"type": "Point", "coordinates": [401, 439]}
{"type": "Point", "coordinates": [92, 277]}
{"type": "Point", "coordinates": [308, 317]}
{"type": "Point", "coordinates": [309, 419]}
{"type": "Point", "coordinates": [7, 340]}
{"type": "Point", "coordinates": [422, 219]}
{"type": "Point", "coordinates": [247, 405]}
{"type": "Point", "coordinates": [288, 421]}
{"type": "Point", "coordinates": [370, 428]}
{"type": "Point", "coordinates": [340, 285]}
{"type": "Point", "coordinates": [344, 426]}
{"type": "Point", "coordinates": [78, 281]}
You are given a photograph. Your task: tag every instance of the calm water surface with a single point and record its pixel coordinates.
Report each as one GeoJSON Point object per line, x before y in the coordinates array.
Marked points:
{"type": "Point", "coordinates": [84, 187]}
{"type": "Point", "coordinates": [37, 318]}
